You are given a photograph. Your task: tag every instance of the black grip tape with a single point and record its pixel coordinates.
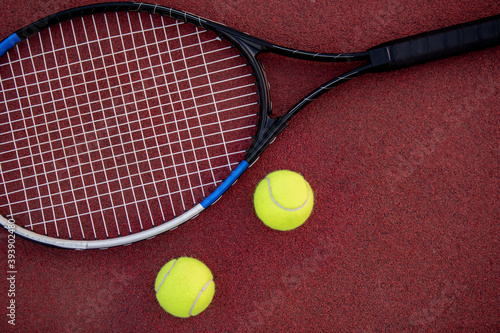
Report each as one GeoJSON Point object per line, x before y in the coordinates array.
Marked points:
{"type": "Point", "coordinates": [436, 44]}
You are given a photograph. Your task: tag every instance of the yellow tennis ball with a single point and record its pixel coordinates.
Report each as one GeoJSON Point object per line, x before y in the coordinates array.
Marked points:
{"type": "Point", "coordinates": [283, 200]}
{"type": "Point", "coordinates": [184, 287]}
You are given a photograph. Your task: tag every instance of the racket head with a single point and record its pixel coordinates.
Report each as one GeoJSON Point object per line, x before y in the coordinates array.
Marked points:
{"type": "Point", "coordinates": [118, 120]}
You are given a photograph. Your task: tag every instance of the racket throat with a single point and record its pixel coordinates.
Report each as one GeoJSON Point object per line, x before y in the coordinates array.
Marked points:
{"type": "Point", "coordinates": [270, 129]}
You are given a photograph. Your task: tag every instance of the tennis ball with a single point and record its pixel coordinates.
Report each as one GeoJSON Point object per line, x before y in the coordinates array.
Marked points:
{"type": "Point", "coordinates": [184, 287]}
{"type": "Point", "coordinates": [283, 200]}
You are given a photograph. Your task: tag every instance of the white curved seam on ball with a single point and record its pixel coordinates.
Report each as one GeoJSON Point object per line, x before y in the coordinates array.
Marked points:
{"type": "Point", "coordinates": [165, 276]}
{"type": "Point", "coordinates": [280, 206]}
{"type": "Point", "coordinates": [198, 297]}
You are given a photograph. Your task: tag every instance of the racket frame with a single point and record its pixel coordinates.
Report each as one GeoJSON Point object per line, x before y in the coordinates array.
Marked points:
{"type": "Point", "coordinates": [381, 58]}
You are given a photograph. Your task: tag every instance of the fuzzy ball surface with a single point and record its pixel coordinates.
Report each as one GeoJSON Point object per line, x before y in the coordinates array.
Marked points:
{"type": "Point", "coordinates": [283, 200]}
{"type": "Point", "coordinates": [184, 287]}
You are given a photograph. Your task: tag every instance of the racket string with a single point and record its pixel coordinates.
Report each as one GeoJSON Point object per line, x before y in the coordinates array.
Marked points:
{"type": "Point", "coordinates": [120, 86]}
{"type": "Point", "coordinates": [159, 152]}
{"type": "Point", "coordinates": [212, 95]}
{"type": "Point", "coordinates": [177, 131]}
{"type": "Point", "coordinates": [44, 166]}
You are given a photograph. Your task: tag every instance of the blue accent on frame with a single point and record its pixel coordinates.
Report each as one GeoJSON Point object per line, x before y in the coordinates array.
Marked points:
{"type": "Point", "coordinates": [8, 42]}
{"type": "Point", "coordinates": [225, 185]}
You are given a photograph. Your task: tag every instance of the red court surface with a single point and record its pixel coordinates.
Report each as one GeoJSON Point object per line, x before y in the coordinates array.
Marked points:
{"type": "Point", "coordinates": [404, 235]}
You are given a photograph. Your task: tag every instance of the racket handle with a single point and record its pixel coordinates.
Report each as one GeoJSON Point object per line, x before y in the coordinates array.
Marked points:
{"type": "Point", "coordinates": [436, 44]}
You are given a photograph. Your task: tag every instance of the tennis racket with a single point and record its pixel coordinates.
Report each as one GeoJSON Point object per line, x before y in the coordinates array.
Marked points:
{"type": "Point", "coordinates": [119, 121]}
